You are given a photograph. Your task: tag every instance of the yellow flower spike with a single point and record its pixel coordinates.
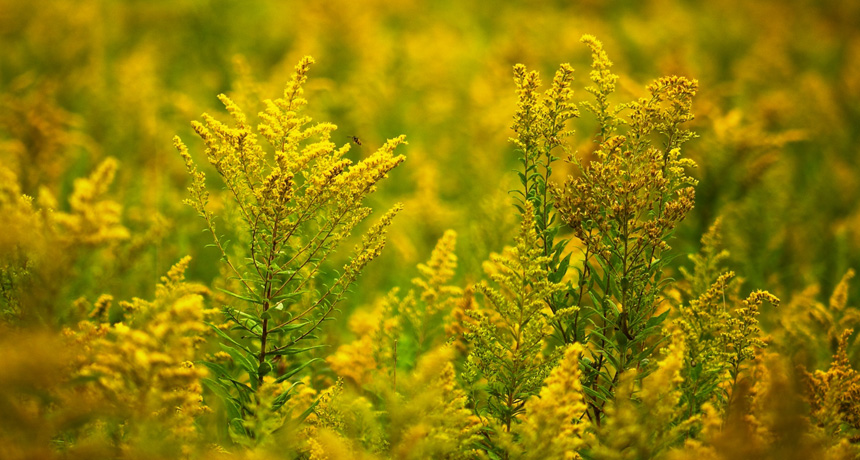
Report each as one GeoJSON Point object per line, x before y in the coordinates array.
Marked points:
{"type": "Point", "coordinates": [294, 87]}
{"type": "Point", "coordinates": [603, 79]}
{"type": "Point", "coordinates": [551, 426]}
{"type": "Point", "coordinates": [102, 307]}
{"type": "Point", "coordinates": [93, 219]}
{"type": "Point", "coordinates": [428, 413]}
{"type": "Point", "coordinates": [236, 112]}
{"type": "Point", "coordinates": [840, 295]}
{"type": "Point", "coordinates": [353, 361]}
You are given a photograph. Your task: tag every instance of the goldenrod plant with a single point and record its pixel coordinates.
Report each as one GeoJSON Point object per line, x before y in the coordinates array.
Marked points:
{"type": "Point", "coordinates": [295, 207]}
{"type": "Point", "coordinates": [721, 331]}
{"type": "Point", "coordinates": [624, 207]}
{"type": "Point", "coordinates": [834, 395]}
{"type": "Point", "coordinates": [553, 426]}
{"type": "Point", "coordinates": [400, 329]}
{"type": "Point", "coordinates": [98, 389]}
{"type": "Point", "coordinates": [41, 242]}
{"type": "Point", "coordinates": [144, 368]}
{"type": "Point", "coordinates": [540, 123]}
{"type": "Point", "coordinates": [427, 416]}
{"type": "Point", "coordinates": [527, 303]}
{"type": "Point", "coordinates": [424, 313]}
{"type": "Point", "coordinates": [643, 421]}
{"type": "Point", "coordinates": [508, 339]}
{"type": "Point", "coordinates": [819, 325]}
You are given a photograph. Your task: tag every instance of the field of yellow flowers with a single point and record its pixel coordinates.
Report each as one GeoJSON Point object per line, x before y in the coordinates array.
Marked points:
{"type": "Point", "coordinates": [429, 229]}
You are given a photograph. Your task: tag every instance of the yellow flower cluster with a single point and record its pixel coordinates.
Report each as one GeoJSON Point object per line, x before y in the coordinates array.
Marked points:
{"type": "Point", "coordinates": [818, 325]}
{"type": "Point", "coordinates": [461, 320]}
{"type": "Point", "coordinates": [720, 331]}
{"type": "Point", "coordinates": [429, 415]}
{"type": "Point", "coordinates": [356, 360]}
{"type": "Point", "coordinates": [770, 419]}
{"type": "Point", "coordinates": [540, 120]}
{"type": "Point", "coordinates": [437, 273]}
{"type": "Point", "coordinates": [508, 336]}
{"type": "Point", "coordinates": [422, 315]}
{"type": "Point", "coordinates": [644, 419]}
{"type": "Point", "coordinates": [416, 320]}
{"type": "Point", "coordinates": [604, 84]}
{"type": "Point", "coordinates": [426, 417]}
{"type": "Point", "coordinates": [41, 242]}
{"type": "Point", "coordinates": [280, 202]}
{"type": "Point", "coordinates": [743, 332]}
{"type": "Point", "coordinates": [834, 395]}
{"type": "Point", "coordinates": [144, 370]}
{"type": "Point", "coordinates": [93, 219]}
{"type": "Point", "coordinates": [552, 425]}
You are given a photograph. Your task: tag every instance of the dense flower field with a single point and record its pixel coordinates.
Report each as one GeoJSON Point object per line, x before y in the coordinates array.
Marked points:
{"type": "Point", "coordinates": [499, 230]}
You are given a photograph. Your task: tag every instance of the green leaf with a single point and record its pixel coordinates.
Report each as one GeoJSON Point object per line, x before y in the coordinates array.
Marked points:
{"type": "Point", "coordinates": [247, 316]}
{"type": "Point", "coordinates": [291, 296]}
{"type": "Point", "coordinates": [289, 327]}
{"type": "Point", "coordinates": [620, 338]}
{"type": "Point", "coordinates": [593, 394]}
{"type": "Point", "coordinates": [247, 299]}
{"type": "Point", "coordinates": [304, 415]}
{"type": "Point", "coordinates": [226, 337]}
{"type": "Point", "coordinates": [295, 371]}
{"type": "Point", "coordinates": [282, 398]}
{"type": "Point", "coordinates": [245, 391]}
{"type": "Point", "coordinates": [237, 425]}
{"type": "Point", "coordinates": [564, 264]}
{"type": "Point", "coordinates": [230, 403]}
{"type": "Point", "coordinates": [240, 359]}
{"type": "Point", "coordinates": [657, 320]}
{"type": "Point", "coordinates": [597, 303]}
{"type": "Point", "coordinates": [294, 351]}
{"type": "Point", "coordinates": [613, 307]}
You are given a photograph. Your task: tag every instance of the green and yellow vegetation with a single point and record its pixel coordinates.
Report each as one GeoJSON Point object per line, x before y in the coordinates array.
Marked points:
{"type": "Point", "coordinates": [645, 258]}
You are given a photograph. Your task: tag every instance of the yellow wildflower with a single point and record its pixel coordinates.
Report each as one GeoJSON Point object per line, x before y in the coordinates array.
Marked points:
{"type": "Point", "coordinates": [552, 426]}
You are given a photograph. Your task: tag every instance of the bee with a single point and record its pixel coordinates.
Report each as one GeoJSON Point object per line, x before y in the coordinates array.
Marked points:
{"type": "Point", "coordinates": [355, 139]}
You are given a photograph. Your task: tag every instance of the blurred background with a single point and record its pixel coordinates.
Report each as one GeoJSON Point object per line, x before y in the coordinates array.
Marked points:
{"type": "Point", "coordinates": [778, 116]}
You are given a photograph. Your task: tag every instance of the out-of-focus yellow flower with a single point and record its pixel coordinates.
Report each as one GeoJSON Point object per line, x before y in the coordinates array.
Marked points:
{"type": "Point", "coordinates": [552, 426]}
